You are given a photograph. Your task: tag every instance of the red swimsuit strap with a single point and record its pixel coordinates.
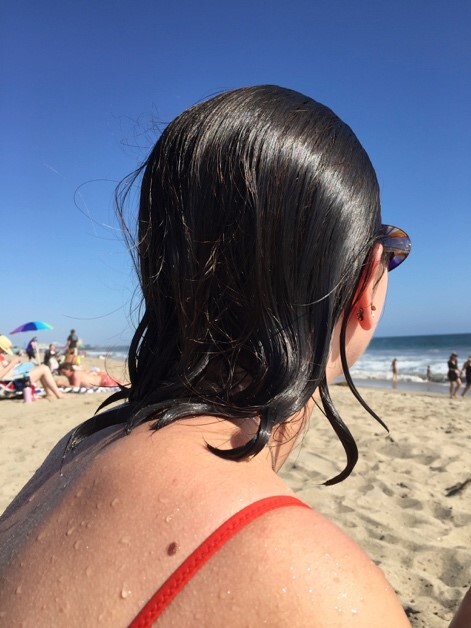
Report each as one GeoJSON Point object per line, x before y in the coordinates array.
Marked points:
{"type": "Point", "coordinates": [175, 583]}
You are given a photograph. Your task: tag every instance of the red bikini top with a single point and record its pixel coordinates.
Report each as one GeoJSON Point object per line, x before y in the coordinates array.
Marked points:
{"type": "Point", "coordinates": [175, 583]}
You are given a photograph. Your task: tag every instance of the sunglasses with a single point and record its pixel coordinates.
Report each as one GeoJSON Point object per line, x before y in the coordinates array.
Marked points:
{"type": "Point", "coordinates": [396, 243]}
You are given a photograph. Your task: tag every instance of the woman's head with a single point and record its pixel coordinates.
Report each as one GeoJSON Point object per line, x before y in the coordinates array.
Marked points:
{"type": "Point", "coordinates": [259, 211]}
{"type": "Point", "coordinates": [5, 345]}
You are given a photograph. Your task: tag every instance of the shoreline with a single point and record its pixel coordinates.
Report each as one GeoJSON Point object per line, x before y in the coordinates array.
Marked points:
{"type": "Point", "coordinates": [426, 388]}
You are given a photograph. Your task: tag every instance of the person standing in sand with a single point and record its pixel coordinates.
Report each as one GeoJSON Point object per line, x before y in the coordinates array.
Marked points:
{"type": "Point", "coordinates": [394, 371]}
{"type": "Point", "coordinates": [173, 497]}
{"type": "Point", "coordinates": [32, 349]}
{"type": "Point", "coordinates": [453, 375]}
{"type": "Point", "coordinates": [71, 347]}
{"type": "Point", "coordinates": [466, 371]}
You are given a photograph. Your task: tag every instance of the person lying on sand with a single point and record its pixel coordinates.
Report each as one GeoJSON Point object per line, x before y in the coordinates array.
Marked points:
{"type": "Point", "coordinates": [78, 378]}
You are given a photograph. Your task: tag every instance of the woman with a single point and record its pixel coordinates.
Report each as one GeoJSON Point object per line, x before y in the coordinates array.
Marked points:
{"type": "Point", "coordinates": [12, 368]}
{"type": "Point", "coordinates": [262, 262]}
{"type": "Point", "coordinates": [32, 349]}
{"type": "Point", "coordinates": [466, 371]}
{"type": "Point", "coordinates": [453, 375]}
{"type": "Point", "coordinates": [51, 358]}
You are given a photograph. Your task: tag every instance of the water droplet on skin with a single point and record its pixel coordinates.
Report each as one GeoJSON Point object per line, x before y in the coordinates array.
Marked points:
{"type": "Point", "coordinates": [70, 531]}
{"type": "Point", "coordinates": [284, 589]}
{"type": "Point", "coordinates": [41, 536]}
{"type": "Point", "coordinates": [125, 540]}
{"type": "Point", "coordinates": [77, 544]}
{"type": "Point", "coordinates": [88, 571]}
{"type": "Point", "coordinates": [224, 594]}
{"type": "Point", "coordinates": [19, 590]}
{"type": "Point", "coordinates": [115, 502]}
{"type": "Point", "coordinates": [168, 519]}
{"type": "Point", "coordinates": [79, 493]}
{"type": "Point", "coordinates": [98, 505]}
{"type": "Point", "coordinates": [125, 593]}
{"type": "Point", "coordinates": [354, 611]}
{"type": "Point", "coordinates": [101, 616]}
{"type": "Point", "coordinates": [164, 500]}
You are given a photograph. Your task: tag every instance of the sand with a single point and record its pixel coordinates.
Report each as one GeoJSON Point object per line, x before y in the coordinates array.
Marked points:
{"type": "Point", "coordinates": [395, 504]}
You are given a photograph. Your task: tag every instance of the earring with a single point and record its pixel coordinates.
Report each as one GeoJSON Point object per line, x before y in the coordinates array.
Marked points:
{"type": "Point", "coordinates": [373, 310]}
{"type": "Point", "coordinates": [360, 314]}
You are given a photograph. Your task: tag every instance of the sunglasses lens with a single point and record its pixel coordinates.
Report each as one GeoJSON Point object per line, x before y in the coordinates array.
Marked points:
{"type": "Point", "coordinates": [397, 243]}
{"type": "Point", "coordinates": [395, 260]}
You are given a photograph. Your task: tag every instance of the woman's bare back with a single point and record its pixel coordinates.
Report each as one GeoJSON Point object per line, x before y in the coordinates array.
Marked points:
{"type": "Point", "coordinates": [94, 544]}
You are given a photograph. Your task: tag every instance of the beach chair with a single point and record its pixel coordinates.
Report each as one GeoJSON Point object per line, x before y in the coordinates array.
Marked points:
{"type": "Point", "coordinates": [12, 388]}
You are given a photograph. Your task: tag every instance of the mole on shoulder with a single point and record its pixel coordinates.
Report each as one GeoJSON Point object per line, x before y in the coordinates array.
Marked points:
{"type": "Point", "coordinates": [172, 548]}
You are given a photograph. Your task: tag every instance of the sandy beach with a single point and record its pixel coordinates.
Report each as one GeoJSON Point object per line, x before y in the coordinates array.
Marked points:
{"type": "Point", "coordinates": [397, 504]}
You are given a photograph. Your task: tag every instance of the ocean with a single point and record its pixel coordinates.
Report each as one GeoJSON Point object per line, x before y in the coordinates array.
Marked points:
{"type": "Point", "coordinates": [413, 354]}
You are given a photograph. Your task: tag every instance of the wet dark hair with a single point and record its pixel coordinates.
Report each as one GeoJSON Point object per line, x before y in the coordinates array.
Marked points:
{"type": "Point", "coordinates": [258, 212]}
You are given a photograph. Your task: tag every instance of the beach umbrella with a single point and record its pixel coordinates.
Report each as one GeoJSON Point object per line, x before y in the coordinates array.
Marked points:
{"type": "Point", "coordinates": [32, 326]}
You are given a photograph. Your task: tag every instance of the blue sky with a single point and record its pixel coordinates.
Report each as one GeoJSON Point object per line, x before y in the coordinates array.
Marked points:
{"type": "Point", "coordinates": [87, 84]}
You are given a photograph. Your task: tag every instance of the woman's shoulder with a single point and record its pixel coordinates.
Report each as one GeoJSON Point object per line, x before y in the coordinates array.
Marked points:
{"type": "Point", "coordinates": [293, 563]}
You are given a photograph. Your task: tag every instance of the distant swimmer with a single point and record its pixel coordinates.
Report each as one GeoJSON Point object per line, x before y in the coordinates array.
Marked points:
{"type": "Point", "coordinates": [429, 373]}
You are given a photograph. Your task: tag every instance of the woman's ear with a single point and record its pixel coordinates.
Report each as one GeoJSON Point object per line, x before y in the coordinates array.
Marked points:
{"type": "Point", "coordinates": [364, 310]}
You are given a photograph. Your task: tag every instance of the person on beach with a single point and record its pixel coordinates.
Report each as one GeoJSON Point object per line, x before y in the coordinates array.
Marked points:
{"type": "Point", "coordinates": [71, 347]}
{"type": "Point", "coordinates": [261, 256]}
{"type": "Point", "coordinates": [453, 375]}
{"type": "Point", "coordinates": [394, 370]}
{"type": "Point", "coordinates": [41, 375]}
{"type": "Point", "coordinates": [51, 358]}
{"type": "Point", "coordinates": [32, 349]}
{"type": "Point", "coordinates": [78, 378]}
{"type": "Point", "coordinates": [466, 371]}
